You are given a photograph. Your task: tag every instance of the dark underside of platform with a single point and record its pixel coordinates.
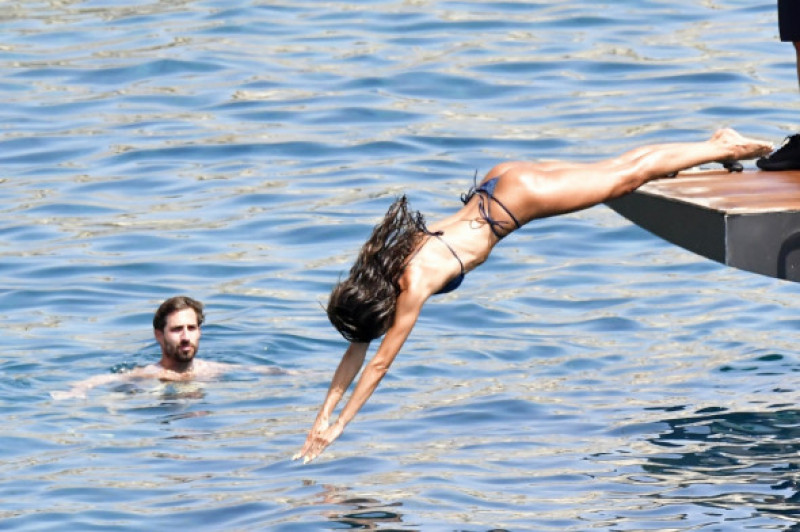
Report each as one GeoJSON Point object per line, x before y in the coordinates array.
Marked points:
{"type": "Point", "coordinates": [748, 220]}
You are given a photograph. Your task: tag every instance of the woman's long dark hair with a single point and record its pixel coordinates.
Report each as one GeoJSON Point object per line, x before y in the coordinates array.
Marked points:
{"type": "Point", "coordinates": [362, 307]}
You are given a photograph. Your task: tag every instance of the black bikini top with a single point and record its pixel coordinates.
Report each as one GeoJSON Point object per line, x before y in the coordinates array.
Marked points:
{"type": "Point", "coordinates": [455, 282]}
{"type": "Point", "coordinates": [484, 191]}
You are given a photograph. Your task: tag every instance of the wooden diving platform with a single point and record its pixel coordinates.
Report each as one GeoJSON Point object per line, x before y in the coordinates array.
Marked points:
{"type": "Point", "coordinates": [749, 220]}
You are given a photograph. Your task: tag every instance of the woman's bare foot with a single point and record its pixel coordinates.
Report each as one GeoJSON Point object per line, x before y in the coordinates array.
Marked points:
{"type": "Point", "coordinates": [738, 147]}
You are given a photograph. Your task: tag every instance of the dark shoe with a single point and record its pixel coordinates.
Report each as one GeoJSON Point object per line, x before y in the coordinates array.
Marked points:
{"type": "Point", "coordinates": [787, 157]}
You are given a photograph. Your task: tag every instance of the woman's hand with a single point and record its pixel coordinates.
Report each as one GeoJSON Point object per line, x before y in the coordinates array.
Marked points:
{"type": "Point", "coordinates": [318, 439]}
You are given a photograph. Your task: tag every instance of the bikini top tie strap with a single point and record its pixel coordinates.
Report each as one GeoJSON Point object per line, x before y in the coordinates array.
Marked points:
{"type": "Point", "coordinates": [438, 235]}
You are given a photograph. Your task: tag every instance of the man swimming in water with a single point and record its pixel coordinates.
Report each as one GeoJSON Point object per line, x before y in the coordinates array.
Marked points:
{"type": "Point", "coordinates": [177, 328]}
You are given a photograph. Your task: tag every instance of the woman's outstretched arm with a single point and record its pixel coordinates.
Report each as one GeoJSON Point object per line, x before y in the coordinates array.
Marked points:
{"type": "Point", "coordinates": [348, 368]}
{"type": "Point", "coordinates": [322, 434]}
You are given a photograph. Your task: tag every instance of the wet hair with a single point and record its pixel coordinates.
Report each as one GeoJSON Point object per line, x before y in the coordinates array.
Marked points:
{"type": "Point", "coordinates": [175, 304]}
{"type": "Point", "coordinates": [362, 307]}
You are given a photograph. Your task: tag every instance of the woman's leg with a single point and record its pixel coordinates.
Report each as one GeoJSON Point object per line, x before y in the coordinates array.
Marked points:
{"type": "Point", "coordinates": [551, 189]}
{"type": "Point", "coordinates": [650, 162]}
{"type": "Point", "coordinates": [658, 160]}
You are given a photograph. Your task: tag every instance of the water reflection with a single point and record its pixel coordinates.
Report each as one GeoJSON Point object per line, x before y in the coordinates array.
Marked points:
{"type": "Point", "coordinates": [179, 391]}
{"type": "Point", "coordinates": [368, 513]}
{"type": "Point", "coordinates": [725, 459]}
{"type": "Point", "coordinates": [168, 391]}
{"type": "Point", "coordinates": [363, 513]}
{"type": "Point", "coordinates": [168, 401]}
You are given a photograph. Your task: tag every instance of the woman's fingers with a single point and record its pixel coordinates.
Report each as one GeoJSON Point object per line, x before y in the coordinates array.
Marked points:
{"type": "Point", "coordinates": [316, 443]}
{"type": "Point", "coordinates": [311, 449]}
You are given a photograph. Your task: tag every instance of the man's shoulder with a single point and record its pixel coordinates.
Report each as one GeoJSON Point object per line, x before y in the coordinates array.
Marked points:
{"type": "Point", "coordinates": [149, 371]}
{"type": "Point", "coordinates": [209, 366]}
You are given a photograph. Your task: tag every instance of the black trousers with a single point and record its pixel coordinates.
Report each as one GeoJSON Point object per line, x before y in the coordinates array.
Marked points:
{"type": "Point", "coordinates": [789, 20]}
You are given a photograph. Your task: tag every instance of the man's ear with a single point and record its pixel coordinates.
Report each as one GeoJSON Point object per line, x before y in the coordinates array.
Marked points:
{"type": "Point", "coordinates": [159, 336]}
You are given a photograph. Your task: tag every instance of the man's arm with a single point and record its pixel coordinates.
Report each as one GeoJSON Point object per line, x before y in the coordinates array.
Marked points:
{"type": "Point", "coordinates": [79, 389]}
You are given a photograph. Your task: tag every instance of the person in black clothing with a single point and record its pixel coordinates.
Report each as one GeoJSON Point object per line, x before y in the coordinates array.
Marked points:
{"type": "Point", "coordinates": [787, 157]}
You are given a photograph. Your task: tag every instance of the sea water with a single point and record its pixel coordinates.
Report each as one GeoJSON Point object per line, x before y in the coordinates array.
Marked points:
{"type": "Point", "coordinates": [589, 376]}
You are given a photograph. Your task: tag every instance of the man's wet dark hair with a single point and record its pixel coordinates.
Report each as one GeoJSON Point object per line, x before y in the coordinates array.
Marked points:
{"type": "Point", "coordinates": [362, 307]}
{"type": "Point", "coordinates": [174, 304]}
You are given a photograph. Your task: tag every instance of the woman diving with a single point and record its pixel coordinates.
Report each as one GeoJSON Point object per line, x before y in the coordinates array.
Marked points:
{"type": "Point", "coordinates": [405, 261]}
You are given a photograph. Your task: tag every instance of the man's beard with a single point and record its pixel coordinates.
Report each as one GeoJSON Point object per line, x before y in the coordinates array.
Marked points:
{"type": "Point", "coordinates": [176, 352]}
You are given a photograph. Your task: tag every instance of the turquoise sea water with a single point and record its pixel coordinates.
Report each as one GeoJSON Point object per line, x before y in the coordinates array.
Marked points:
{"type": "Point", "coordinates": [588, 377]}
